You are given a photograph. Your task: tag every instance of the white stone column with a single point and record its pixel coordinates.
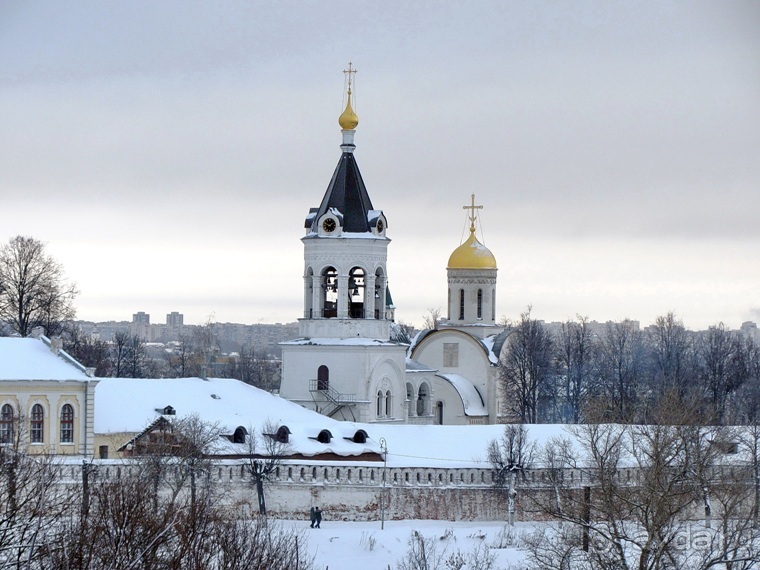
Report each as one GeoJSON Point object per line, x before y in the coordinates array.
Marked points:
{"type": "Point", "coordinates": [316, 296]}
{"type": "Point", "coordinates": [369, 297]}
{"type": "Point", "coordinates": [343, 293]}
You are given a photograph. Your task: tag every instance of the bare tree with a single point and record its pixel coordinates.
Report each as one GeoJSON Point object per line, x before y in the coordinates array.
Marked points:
{"type": "Point", "coordinates": [431, 318]}
{"type": "Point", "coordinates": [33, 290]}
{"type": "Point", "coordinates": [620, 368]}
{"type": "Point", "coordinates": [91, 352]}
{"type": "Point", "coordinates": [720, 366]}
{"type": "Point", "coordinates": [670, 349]}
{"type": "Point", "coordinates": [255, 367]}
{"type": "Point", "coordinates": [180, 361]}
{"type": "Point", "coordinates": [129, 357]}
{"type": "Point", "coordinates": [526, 368]}
{"type": "Point", "coordinates": [206, 347]}
{"type": "Point", "coordinates": [510, 457]}
{"type": "Point", "coordinates": [575, 364]}
{"type": "Point", "coordinates": [266, 451]}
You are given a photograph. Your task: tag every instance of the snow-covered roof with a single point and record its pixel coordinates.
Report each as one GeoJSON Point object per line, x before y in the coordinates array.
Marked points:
{"type": "Point", "coordinates": [32, 359]}
{"type": "Point", "coordinates": [129, 405]}
{"type": "Point", "coordinates": [415, 366]}
{"type": "Point", "coordinates": [450, 447]}
{"type": "Point", "coordinates": [471, 398]}
{"type": "Point", "coordinates": [355, 341]}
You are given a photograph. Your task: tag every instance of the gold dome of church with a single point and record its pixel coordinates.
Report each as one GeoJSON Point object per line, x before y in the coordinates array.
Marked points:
{"type": "Point", "coordinates": [472, 255]}
{"type": "Point", "coordinates": [348, 120]}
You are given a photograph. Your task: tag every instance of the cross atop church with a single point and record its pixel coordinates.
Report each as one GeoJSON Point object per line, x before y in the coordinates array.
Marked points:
{"type": "Point", "coordinates": [472, 216]}
{"type": "Point", "coordinates": [349, 72]}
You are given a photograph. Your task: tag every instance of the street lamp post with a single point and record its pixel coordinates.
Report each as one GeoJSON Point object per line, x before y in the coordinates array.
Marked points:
{"type": "Point", "coordinates": [384, 449]}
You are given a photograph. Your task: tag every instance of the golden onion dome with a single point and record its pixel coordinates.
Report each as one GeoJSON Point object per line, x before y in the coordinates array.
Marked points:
{"type": "Point", "coordinates": [348, 119]}
{"type": "Point", "coordinates": [472, 255]}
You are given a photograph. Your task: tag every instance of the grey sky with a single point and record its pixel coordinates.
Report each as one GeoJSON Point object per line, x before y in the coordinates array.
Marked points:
{"type": "Point", "coordinates": [169, 151]}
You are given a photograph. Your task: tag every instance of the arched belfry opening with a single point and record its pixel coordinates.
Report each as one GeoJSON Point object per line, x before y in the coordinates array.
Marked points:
{"type": "Point", "coordinates": [330, 292]}
{"type": "Point", "coordinates": [356, 293]}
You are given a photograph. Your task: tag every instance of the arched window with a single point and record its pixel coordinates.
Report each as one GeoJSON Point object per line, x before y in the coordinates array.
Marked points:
{"type": "Point", "coordinates": [493, 304]}
{"type": "Point", "coordinates": [6, 424]}
{"type": "Point", "coordinates": [423, 395]}
{"type": "Point", "coordinates": [461, 304]}
{"type": "Point", "coordinates": [37, 431]}
{"type": "Point", "coordinates": [67, 424]}
{"type": "Point", "coordinates": [439, 413]}
{"type": "Point", "coordinates": [379, 411]}
{"type": "Point", "coordinates": [388, 403]}
{"type": "Point", "coordinates": [480, 303]}
{"type": "Point", "coordinates": [323, 378]}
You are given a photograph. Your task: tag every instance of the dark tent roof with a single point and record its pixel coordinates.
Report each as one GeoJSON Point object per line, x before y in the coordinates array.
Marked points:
{"type": "Point", "coordinates": [347, 194]}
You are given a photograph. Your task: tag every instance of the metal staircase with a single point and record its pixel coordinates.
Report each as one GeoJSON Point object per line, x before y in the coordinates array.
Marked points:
{"type": "Point", "coordinates": [335, 400]}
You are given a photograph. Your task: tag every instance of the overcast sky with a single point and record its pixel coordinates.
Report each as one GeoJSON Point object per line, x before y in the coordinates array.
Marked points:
{"type": "Point", "coordinates": [168, 152]}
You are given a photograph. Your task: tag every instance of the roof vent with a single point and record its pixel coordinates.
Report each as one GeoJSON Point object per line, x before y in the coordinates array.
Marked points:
{"type": "Point", "coordinates": [167, 411]}
{"type": "Point", "coordinates": [324, 436]}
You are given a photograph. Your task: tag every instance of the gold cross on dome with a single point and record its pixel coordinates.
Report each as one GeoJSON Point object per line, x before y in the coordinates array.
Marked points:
{"type": "Point", "coordinates": [350, 71]}
{"type": "Point", "coordinates": [472, 215]}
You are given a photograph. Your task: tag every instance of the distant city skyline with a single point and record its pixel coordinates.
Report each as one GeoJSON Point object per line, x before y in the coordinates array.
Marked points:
{"type": "Point", "coordinates": [169, 152]}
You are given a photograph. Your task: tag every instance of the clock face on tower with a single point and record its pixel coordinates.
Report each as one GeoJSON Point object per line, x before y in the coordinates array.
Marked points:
{"type": "Point", "coordinates": [380, 226]}
{"type": "Point", "coordinates": [328, 225]}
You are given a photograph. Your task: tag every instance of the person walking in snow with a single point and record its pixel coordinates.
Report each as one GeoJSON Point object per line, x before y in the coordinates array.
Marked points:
{"type": "Point", "coordinates": [313, 516]}
{"type": "Point", "coordinates": [317, 516]}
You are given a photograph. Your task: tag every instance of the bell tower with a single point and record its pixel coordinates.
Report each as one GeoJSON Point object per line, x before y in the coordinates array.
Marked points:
{"type": "Point", "coordinates": [344, 361]}
{"type": "Point", "coordinates": [345, 251]}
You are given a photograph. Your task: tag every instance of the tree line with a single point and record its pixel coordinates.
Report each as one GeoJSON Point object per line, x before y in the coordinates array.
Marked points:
{"type": "Point", "coordinates": [622, 374]}
{"type": "Point", "coordinates": [627, 375]}
{"type": "Point", "coordinates": [194, 355]}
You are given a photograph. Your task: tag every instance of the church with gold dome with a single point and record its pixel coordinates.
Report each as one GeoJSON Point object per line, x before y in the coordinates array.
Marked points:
{"type": "Point", "coordinates": [348, 363]}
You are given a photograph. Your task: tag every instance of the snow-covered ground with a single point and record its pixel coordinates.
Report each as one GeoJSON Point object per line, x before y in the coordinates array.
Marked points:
{"type": "Point", "coordinates": [364, 546]}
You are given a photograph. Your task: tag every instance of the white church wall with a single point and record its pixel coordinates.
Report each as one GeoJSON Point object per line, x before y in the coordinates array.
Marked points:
{"type": "Point", "coordinates": [464, 355]}
{"type": "Point", "coordinates": [353, 370]}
